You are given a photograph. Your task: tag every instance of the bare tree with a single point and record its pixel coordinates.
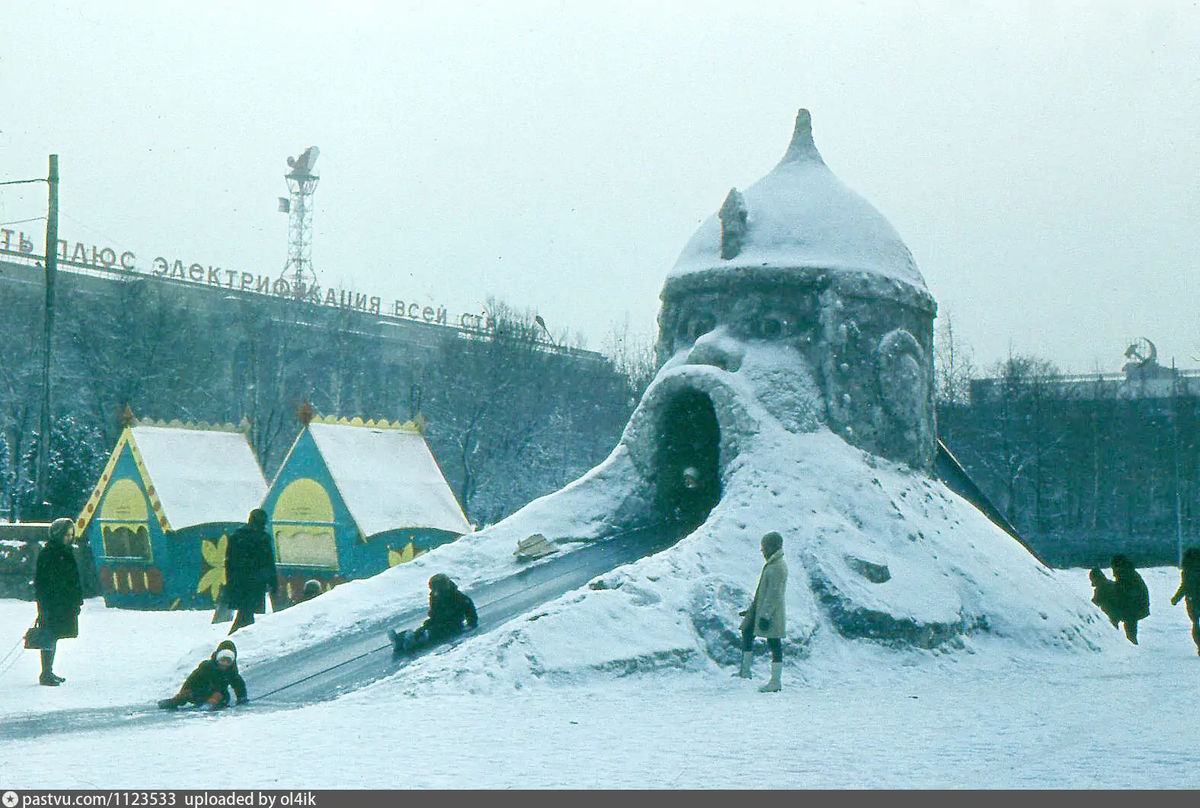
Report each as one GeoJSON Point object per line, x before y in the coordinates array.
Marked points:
{"type": "Point", "coordinates": [633, 356]}
{"type": "Point", "coordinates": [516, 415]}
{"type": "Point", "coordinates": [953, 371]}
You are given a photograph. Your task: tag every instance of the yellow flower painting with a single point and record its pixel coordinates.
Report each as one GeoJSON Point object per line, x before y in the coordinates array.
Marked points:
{"type": "Point", "coordinates": [405, 555]}
{"type": "Point", "coordinates": [213, 577]}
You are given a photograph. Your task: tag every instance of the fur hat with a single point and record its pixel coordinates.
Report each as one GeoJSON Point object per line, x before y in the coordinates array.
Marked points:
{"type": "Point", "coordinates": [772, 543]}
{"type": "Point", "coordinates": [258, 517]}
{"type": "Point", "coordinates": [60, 527]}
{"type": "Point", "coordinates": [226, 650]}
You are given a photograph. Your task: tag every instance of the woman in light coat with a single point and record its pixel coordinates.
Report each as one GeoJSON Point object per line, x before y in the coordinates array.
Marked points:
{"type": "Point", "coordinates": [766, 616]}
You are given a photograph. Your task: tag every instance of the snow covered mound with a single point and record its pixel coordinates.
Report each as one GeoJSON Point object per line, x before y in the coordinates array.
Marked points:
{"type": "Point", "coordinates": [879, 556]}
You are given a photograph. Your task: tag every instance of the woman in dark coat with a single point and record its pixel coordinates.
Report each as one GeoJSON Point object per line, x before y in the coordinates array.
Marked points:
{"type": "Point", "coordinates": [208, 685]}
{"type": "Point", "coordinates": [1189, 589]}
{"type": "Point", "coordinates": [249, 569]}
{"type": "Point", "coordinates": [59, 593]}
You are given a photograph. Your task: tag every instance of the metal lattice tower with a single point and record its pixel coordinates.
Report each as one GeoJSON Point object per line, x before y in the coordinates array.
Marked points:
{"type": "Point", "coordinates": [302, 183]}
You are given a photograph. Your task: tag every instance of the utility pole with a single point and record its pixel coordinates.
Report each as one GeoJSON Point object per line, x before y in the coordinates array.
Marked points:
{"type": "Point", "coordinates": [43, 455]}
{"type": "Point", "coordinates": [1175, 445]}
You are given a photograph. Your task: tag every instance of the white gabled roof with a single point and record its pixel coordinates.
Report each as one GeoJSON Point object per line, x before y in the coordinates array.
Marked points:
{"type": "Point", "coordinates": [200, 475]}
{"type": "Point", "coordinates": [388, 478]}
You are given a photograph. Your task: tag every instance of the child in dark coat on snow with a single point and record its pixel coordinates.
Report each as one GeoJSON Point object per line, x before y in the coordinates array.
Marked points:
{"type": "Point", "coordinates": [450, 613]}
{"type": "Point", "coordinates": [208, 685]}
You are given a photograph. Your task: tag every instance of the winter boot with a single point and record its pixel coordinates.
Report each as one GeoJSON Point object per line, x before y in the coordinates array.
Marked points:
{"type": "Point", "coordinates": [48, 678]}
{"type": "Point", "coordinates": [1131, 631]}
{"type": "Point", "coordinates": [747, 661]}
{"type": "Point", "coordinates": [399, 642]}
{"type": "Point", "coordinates": [773, 686]}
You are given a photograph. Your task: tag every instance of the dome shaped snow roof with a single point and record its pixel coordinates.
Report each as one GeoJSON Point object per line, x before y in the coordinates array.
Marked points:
{"type": "Point", "coordinates": [801, 220]}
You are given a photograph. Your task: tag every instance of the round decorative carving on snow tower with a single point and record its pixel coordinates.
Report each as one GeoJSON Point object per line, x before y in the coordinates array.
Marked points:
{"type": "Point", "coordinates": [901, 380]}
{"type": "Point", "coordinates": [799, 261]}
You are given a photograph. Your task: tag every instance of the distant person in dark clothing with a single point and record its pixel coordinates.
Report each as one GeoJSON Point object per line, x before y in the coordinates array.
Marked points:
{"type": "Point", "coordinates": [450, 613]}
{"type": "Point", "coordinates": [312, 588]}
{"type": "Point", "coordinates": [208, 685]}
{"type": "Point", "coordinates": [1105, 595]}
{"type": "Point", "coordinates": [249, 569]}
{"type": "Point", "coordinates": [1132, 596]}
{"type": "Point", "coordinates": [1189, 590]}
{"type": "Point", "coordinates": [59, 593]}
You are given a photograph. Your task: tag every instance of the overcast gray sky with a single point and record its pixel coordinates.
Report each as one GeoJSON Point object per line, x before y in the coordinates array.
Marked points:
{"type": "Point", "coordinates": [1041, 159]}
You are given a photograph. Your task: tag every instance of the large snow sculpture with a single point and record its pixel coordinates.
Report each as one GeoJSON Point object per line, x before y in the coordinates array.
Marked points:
{"type": "Point", "coordinates": [794, 394]}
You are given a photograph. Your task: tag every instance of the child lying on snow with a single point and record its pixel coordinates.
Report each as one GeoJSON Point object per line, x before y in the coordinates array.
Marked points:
{"type": "Point", "coordinates": [208, 685]}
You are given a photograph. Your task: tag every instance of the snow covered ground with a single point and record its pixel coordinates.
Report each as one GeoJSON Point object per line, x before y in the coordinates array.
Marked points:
{"type": "Point", "coordinates": [998, 715]}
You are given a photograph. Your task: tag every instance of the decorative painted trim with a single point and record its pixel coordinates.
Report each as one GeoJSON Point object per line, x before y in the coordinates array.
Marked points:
{"type": "Point", "coordinates": [413, 425]}
{"type": "Point", "coordinates": [89, 509]}
{"type": "Point", "coordinates": [204, 426]}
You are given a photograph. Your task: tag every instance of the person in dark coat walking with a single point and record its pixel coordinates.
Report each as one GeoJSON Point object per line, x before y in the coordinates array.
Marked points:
{"type": "Point", "coordinates": [450, 613]}
{"type": "Point", "coordinates": [208, 685]}
{"type": "Point", "coordinates": [1189, 589]}
{"type": "Point", "coordinates": [767, 616]}
{"type": "Point", "coordinates": [249, 569]}
{"type": "Point", "coordinates": [59, 594]}
{"type": "Point", "coordinates": [1131, 594]}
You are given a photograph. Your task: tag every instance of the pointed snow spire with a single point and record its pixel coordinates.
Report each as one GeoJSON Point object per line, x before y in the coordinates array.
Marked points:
{"type": "Point", "coordinates": [733, 224]}
{"type": "Point", "coordinates": [802, 146]}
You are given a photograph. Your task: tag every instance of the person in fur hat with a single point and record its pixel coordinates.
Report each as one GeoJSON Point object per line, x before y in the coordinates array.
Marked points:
{"type": "Point", "coordinates": [59, 594]}
{"type": "Point", "coordinates": [208, 685]}
{"type": "Point", "coordinates": [450, 613]}
{"type": "Point", "coordinates": [766, 616]}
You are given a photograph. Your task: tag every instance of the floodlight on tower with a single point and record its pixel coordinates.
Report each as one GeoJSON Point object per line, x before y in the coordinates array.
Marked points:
{"type": "Point", "coordinates": [298, 272]}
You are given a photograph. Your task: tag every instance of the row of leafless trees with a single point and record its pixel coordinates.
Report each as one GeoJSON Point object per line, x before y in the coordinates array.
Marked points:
{"type": "Point", "coordinates": [1081, 468]}
{"type": "Point", "coordinates": [507, 418]}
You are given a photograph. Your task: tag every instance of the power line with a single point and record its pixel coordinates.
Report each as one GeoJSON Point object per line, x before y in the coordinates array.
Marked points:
{"type": "Point", "coordinates": [87, 226]}
{"type": "Point", "coordinates": [23, 221]}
